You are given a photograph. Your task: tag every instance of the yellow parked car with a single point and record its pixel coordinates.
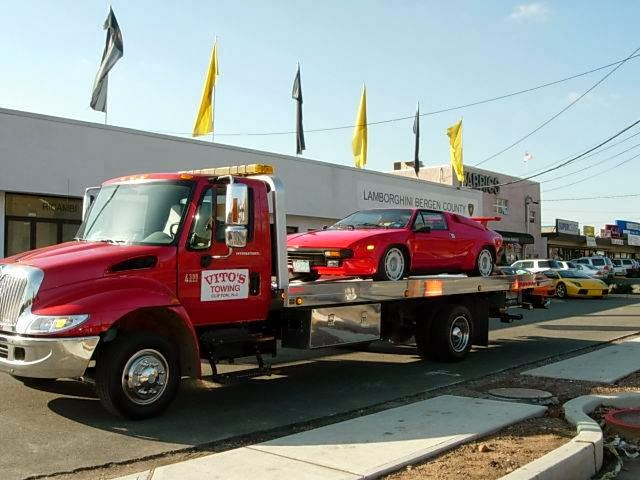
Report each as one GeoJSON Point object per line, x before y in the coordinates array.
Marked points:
{"type": "Point", "coordinates": [571, 283]}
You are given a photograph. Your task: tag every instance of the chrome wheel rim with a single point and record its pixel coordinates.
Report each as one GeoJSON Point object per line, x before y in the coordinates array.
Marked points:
{"type": "Point", "coordinates": [145, 376]}
{"type": "Point", "coordinates": [485, 263]}
{"type": "Point", "coordinates": [561, 290]}
{"type": "Point", "coordinates": [460, 333]}
{"type": "Point", "coordinates": [394, 264]}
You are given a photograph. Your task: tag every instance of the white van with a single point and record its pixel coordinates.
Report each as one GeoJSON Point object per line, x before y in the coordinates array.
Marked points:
{"type": "Point", "coordinates": [535, 265]}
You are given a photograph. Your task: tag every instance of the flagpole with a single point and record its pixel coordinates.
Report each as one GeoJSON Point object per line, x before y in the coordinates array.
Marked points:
{"type": "Point", "coordinates": [213, 93]}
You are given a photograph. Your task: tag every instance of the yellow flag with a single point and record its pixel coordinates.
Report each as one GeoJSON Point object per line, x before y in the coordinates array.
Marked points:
{"type": "Point", "coordinates": [455, 147]}
{"type": "Point", "coordinates": [359, 142]}
{"type": "Point", "coordinates": [204, 120]}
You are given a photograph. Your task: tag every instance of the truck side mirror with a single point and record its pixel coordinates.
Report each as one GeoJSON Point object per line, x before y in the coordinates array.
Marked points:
{"type": "Point", "coordinates": [237, 205]}
{"type": "Point", "coordinates": [236, 215]}
{"type": "Point", "coordinates": [235, 236]}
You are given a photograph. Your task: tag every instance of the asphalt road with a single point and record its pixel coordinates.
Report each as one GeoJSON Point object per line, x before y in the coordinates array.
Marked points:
{"type": "Point", "coordinates": [64, 428]}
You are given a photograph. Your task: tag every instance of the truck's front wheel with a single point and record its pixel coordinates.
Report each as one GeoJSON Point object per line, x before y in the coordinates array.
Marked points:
{"type": "Point", "coordinates": [137, 375]}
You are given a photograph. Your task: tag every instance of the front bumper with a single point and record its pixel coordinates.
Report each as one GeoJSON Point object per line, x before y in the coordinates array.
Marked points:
{"type": "Point", "coordinates": [45, 357]}
{"type": "Point", "coordinates": [351, 267]}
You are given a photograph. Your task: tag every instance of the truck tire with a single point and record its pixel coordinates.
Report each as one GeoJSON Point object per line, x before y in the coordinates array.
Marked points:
{"type": "Point", "coordinates": [452, 333]}
{"type": "Point", "coordinates": [137, 375]}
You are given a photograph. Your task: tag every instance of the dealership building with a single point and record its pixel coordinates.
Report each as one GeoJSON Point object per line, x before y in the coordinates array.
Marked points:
{"type": "Point", "coordinates": [46, 163]}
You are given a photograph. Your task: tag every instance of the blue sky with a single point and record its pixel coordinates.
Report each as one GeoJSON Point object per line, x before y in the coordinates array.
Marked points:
{"type": "Point", "coordinates": [439, 53]}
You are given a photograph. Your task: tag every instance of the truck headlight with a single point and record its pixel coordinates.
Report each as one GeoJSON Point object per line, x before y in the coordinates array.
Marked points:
{"type": "Point", "coordinates": [42, 324]}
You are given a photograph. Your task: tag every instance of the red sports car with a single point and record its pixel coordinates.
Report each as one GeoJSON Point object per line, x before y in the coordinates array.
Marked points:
{"type": "Point", "coordinates": [388, 244]}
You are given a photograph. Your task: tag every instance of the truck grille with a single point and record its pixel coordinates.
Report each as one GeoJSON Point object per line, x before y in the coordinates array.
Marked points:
{"type": "Point", "coordinates": [12, 293]}
{"type": "Point", "coordinates": [4, 348]}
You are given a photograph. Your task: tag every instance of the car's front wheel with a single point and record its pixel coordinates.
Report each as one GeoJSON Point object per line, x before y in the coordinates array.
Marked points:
{"type": "Point", "coordinates": [393, 265]}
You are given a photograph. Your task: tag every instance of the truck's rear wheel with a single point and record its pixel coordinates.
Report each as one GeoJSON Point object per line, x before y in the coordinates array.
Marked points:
{"type": "Point", "coordinates": [137, 375]}
{"type": "Point", "coordinates": [452, 333]}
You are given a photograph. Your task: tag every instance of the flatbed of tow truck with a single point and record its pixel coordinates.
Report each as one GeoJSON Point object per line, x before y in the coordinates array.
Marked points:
{"type": "Point", "coordinates": [345, 291]}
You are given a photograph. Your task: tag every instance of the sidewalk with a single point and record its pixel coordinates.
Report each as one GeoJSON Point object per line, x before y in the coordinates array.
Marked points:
{"type": "Point", "coordinates": [359, 448]}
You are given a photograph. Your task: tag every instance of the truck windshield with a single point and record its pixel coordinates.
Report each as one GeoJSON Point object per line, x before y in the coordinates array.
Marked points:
{"type": "Point", "coordinates": [142, 213]}
{"type": "Point", "coordinates": [391, 218]}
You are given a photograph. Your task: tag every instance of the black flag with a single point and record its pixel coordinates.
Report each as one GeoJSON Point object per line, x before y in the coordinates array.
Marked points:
{"type": "Point", "coordinates": [113, 51]}
{"type": "Point", "coordinates": [296, 94]}
{"type": "Point", "coordinates": [416, 131]}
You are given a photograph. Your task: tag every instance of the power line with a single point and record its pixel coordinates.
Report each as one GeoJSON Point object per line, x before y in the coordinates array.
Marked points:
{"type": "Point", "coordinates": [594, 175]}
{"type": "Point", "coordinates": [599, 162]}
{"type": "Point", "coordinates": [430, 113]}
{"type": "Point", "coordinates": [571, 160]}
{"type": "Point", "coordinates": [625, 195]}
{"type": "Point", "coordinates": [553, 117]}
{"type": "Point", "coordinates": [590, 155]}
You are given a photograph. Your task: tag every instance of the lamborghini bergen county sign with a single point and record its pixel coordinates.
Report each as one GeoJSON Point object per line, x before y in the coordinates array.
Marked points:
{"type": "Point", "coordinates": [372, 195]}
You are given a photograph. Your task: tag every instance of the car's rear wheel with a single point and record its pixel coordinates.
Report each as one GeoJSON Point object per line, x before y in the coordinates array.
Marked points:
{"type": "Point", "coordinates": [484, 263]}
{"type": "Point", "coordinates": [393, 265]}
{"type": "Point", "coordinates": [561, 290]}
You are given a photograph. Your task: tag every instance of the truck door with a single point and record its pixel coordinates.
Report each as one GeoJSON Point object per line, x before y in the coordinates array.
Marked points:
{"type": "Point", "coordinates": [217, 284]}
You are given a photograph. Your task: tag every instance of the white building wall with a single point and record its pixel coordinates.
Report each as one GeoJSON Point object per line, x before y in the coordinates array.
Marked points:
{"type": "Point", "coordinates": [48, 155]}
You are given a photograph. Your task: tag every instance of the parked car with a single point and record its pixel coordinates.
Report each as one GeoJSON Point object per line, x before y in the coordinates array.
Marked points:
{"type": "Point", "coordinates": [388, 244]}
{"type": "Point", "coordinates": [536, 291]}
{"type": "Point", "coordinates": [630, 265]}
{"type": "Point", "coordinates": [591, 271]}
{"type": "Point", "coordinates": [536, 265]}
{"type": "Point", "coordinates": [571, 283]}
{"type": "Point", "coordinates": [604, 264]}
{"type": "Point", "coordinates": [618, 267]}
{"type": "Point", "coordinates": [564, 265]}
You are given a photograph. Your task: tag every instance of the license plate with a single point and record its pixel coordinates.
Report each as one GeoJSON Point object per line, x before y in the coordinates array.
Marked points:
{"type": "Point", "coordinates": [301, 266]}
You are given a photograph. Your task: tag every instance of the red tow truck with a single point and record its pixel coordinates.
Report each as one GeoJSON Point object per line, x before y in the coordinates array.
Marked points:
{"type": "Point", "coordinates": [169, 269]}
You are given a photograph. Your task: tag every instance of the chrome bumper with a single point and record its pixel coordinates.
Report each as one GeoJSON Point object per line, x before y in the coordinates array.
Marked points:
{"type": "Point", "coordinates": [45, 357]}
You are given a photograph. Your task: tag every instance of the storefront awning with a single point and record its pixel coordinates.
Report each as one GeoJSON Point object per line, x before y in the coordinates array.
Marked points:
{"type": "Point", "coordinates": [516, 237]}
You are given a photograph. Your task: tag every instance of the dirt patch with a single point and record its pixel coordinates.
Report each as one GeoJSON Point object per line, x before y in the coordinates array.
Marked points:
{"type": "Point", "coordinates": [495, 456]}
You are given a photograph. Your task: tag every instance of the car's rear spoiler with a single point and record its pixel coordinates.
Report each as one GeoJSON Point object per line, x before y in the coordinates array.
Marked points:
{"type": "Point", "coordinates": [485, 220]}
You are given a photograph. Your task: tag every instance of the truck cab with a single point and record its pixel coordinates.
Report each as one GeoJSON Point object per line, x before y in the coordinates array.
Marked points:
{"type": "Point", "coordinates": [158, 261]}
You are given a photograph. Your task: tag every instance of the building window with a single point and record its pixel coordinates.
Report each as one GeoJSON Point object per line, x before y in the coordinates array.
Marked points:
{"type": "Point", "coordinates": [34, 221]}
{"type": "Point", "coordinates": [532, 216]}
{"type": "Point", "coordinates": [501, 206]}
{"type": "Point", "coordinates": [291, 230]}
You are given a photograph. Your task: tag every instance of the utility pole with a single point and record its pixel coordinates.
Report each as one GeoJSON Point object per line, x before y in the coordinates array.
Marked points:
{"type": "Point", "coordinates": [528, 200]}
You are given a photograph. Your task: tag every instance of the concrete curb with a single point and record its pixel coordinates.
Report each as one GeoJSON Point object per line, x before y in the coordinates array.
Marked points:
{"type": "Point", "coordinates": [623, 295]}
{"type": "Point", "coordinates": [581, 458]}
{"type": "Point", "coordinates": [360, 448]}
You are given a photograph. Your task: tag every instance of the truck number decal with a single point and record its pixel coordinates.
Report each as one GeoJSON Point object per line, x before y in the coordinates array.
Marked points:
{"type": "Point", "coordinates": [224, 285]}
{"type": "Point", "coordinates": [191, 278]}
